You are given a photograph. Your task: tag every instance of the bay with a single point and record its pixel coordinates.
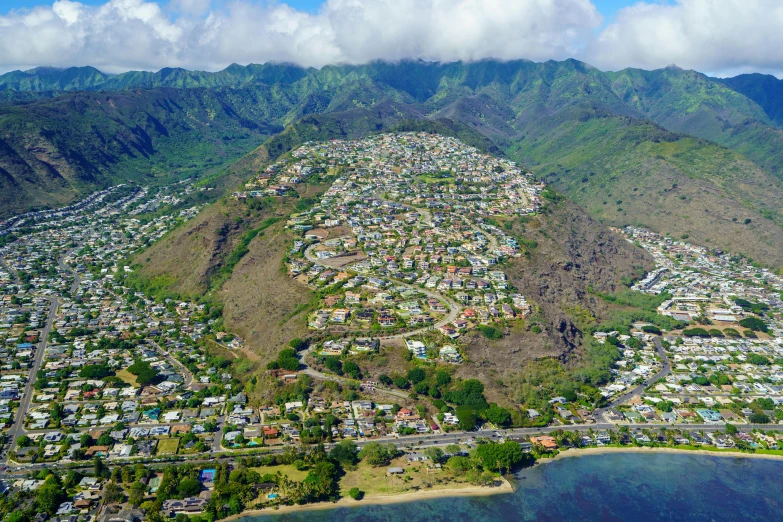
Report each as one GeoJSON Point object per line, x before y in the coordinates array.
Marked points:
{"type": "Point", "coordinates": [609, 487]}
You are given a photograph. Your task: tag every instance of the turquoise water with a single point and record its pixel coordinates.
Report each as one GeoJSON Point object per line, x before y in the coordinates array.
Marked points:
{"type": "Point", "coordinates": [610, 487]}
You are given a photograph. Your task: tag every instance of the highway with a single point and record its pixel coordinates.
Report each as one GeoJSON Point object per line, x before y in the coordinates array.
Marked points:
{"type": "Point", "coordinates": [409, 443]}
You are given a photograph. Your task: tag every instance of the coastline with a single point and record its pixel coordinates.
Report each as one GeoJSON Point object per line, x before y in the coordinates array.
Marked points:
{"type": "Point", "coordinates": [481, 491]}
{"type": "Point", "coordinates": [646, 449]}
{"type": "Point", "coordinates": [400, 498]}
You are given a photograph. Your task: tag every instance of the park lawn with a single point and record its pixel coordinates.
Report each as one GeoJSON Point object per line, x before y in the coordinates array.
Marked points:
{"type": "Point", "coordinates": [127, 377]}
{"type": "Point", "coordinates": [168, 446]}
{"type": "Point", "coordinates": [375, 481]}
{"type": "Point", "coordinates": [287, 470]}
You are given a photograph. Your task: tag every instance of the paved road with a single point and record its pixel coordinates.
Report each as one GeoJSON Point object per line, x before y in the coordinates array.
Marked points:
{"type": "Point", "coordinates": [454, 308]}
{"type": "Point", "coordinates": [13, 272]}
{"type": "Point", "coordinates": [76, 279]}
{"type": "Point", "coordinates": [412, 442]}
{"type": "Point", "coordinates": [17, 428]}
{"type": "Point", "coordinates": [665, 370]}
{"type": "Point", "coordinates": [186, 375]}
{"type": "Point", "coordinates": [218, 435]}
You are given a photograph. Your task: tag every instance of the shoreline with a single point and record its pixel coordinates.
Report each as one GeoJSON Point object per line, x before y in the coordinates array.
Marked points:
{"type": "Point", "coordinates": [646, 449]}
{"type": "Point", "coordinates": [483, 491]}
{"type": "Point", "coordinates": [377, 500]}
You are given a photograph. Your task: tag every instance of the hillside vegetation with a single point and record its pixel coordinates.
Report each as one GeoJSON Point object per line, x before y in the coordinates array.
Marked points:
{"type": "Point", "coordinates": [570, 257]}
{"type": "Point", "coordinates": [597, 136]}
{"type": "Point", "coordinates": [231, 255]}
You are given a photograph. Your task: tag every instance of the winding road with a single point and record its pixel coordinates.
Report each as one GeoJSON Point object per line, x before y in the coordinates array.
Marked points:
{"type": "Point", "coordinates": [665, 370]}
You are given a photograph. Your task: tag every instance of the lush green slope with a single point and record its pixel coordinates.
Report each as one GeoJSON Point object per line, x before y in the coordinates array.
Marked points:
{"type": "Point", "coordinates": [764, 89]}
{"type": "Point", "coordinates": [691, 103]}
{"type": "Point", "coordinates": [88, 78]}
{"type": "Point", "coordinates": [625, 171]}
{"type": "Point", "coordinates": [596, 135]}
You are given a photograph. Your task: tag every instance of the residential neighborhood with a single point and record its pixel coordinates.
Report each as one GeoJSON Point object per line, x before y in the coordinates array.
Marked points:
{"type": "Point", "coordinates": [123, 393]}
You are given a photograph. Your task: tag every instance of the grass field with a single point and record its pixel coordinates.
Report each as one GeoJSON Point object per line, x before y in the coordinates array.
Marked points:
{"type": "Point", "coordinates": [168, 446]}
{"type": "Point", "coordinates": [287, 470]}
{"type": "Point", "coordinates": [127, 376]}
{"type": "Point", "coordinates": [374, 481]}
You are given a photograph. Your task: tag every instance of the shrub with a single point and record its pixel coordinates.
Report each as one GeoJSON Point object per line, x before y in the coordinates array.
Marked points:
{"type": "Point", "coordinates": [401, 382]}
{"type": "Point", "coordinates": [356, 493]}
{"type": "Point", "coordinates": [491, 332]}
{"type": "Point", "coordinates": [416, 375]}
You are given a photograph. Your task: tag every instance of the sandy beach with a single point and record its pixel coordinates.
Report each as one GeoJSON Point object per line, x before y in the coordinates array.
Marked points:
{"type": "Point", "coordinates": [645, 449]}
{"type": "Point", "coordinates": [477, 491]}
{"type": "Point", "coordinates": [346, 502]}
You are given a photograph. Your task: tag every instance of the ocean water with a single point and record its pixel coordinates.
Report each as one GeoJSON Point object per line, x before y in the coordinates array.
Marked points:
{"type": "Point", "coordinates": [610, 487]}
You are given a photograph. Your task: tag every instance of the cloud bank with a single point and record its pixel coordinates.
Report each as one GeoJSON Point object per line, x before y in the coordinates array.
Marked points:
{"type": "Point", "coordinates": [708, 35]}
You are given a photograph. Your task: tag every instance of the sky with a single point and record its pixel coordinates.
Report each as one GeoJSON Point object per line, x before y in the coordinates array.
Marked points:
{"type": "Point", "coordinates": [720, 37]}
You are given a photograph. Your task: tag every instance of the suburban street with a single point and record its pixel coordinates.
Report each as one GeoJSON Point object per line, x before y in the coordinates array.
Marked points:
{"type": "Point", "coordinates": [454, 308]}
{"type": "Point", "coordinates": [664, 371]}
{"type": "Point", "coordinates": [17, 428]}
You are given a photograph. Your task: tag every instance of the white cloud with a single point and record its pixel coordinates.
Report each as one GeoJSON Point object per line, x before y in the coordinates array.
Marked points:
{"type": "Point", "coordinates": [709, 35]}
{"type": "Point", "coordinates": [719, 36]}
{"type": "Point", "coordinates": [133, 34]}
{"type": "Point", "coordinates": [190, 7]}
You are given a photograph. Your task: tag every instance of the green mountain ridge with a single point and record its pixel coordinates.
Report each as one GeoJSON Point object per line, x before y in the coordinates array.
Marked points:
{"type": "Point", "coordinates": [670, 149]}
{"type": "Point", "coordinates": [764, 89]}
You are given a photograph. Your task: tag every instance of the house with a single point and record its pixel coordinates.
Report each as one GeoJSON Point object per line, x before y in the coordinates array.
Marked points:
{"type": "Point", "coordinates": [548, 443]}
{"type": "Point", "coordinates": [185, 506]}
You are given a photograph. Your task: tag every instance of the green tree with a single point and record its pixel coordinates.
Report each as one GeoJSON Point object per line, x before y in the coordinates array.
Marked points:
{"type": "Point", "coordinates": [500, 457]}
{"type": "Point", "coordinates": [467, 418]}
{"type": "Point", "coordinates": [453, 449]}
{"type": "Point", "coordinates": [356, 493]}
{"type": "Point", "coordinates": [759, 418]}
{"type": "Point", "coordinates": [402, 383]}
{"type": "Point", "coordinates": [98, 467]}
{"type": "Point", "coordinates": [416, 375]}
{"type": "Point", "coordinates": [352, 369]}
{"type": "Point", "coordinates": [459, 466]}
{"type": "Point", "coordinates": [321, 482]}
{"type": "Point", "coordinates": [754, 323]}
{"type": "Point", "coordinates": [377, 454]}
{"type": "Point", "coordinates": [498, 416]}
{"type": "Point", "coordinates": [434, 453]}
{"type": "Point", "coordinates": [50, 495]}
{"type": "Point", "coordinates": [188, 487]}
{"type": "Point", "coordinates": [344, 452]}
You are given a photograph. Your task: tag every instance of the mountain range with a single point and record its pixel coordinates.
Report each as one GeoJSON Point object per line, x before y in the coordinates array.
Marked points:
{"type": "Point", "coordinates": [673, 150]}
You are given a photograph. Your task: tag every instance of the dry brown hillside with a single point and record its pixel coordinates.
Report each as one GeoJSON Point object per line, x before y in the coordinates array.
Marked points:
{"type": "Point", "coordinates": [258, 296]}
{"type": "Point", "coordinates": [572, 253]}
{"type": "Point", "coordinates": [568, 253]}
